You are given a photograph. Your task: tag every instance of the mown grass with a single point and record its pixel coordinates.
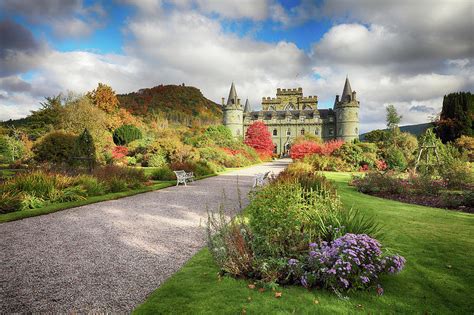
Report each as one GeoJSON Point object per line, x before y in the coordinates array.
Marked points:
{"type": "Point", "coordinates": [438, 245]}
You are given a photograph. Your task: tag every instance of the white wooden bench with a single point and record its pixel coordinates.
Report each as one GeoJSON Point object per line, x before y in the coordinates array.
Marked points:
{"type": "Point", "coordinates": [182, 177]}
{"type": "Point", "coordinates": [260, 178]}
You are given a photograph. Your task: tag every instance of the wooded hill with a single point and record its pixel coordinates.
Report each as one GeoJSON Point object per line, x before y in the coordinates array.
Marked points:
{"type": "Point", "coordinates": [178, 103]}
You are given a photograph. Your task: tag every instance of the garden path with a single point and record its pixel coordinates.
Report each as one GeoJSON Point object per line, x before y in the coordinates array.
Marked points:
{"type": "Point", "coordinates": [108, 256]}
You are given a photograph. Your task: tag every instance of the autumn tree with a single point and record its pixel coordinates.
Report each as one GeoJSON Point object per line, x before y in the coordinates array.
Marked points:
{"type": "Point", "coordinates": [259, 138]}
{"type": "Point", "coordinates": [104, 98]}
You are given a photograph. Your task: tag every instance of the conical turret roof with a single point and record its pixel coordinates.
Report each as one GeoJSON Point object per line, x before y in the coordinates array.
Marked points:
{"type": "Point", "coordinates": [232, 95]}
{"type": "Point", "coordinates": [347, 93]}
{"type": "Point", "coordinates": [247, 106]}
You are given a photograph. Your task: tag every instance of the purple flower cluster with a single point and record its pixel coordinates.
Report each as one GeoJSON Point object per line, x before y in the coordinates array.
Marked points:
{"type": "Point", "coordinates": [350, 261]}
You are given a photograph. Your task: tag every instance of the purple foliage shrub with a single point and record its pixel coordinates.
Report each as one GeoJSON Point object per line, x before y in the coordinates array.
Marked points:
{"type": "Point", "coordinates": [353, 261]}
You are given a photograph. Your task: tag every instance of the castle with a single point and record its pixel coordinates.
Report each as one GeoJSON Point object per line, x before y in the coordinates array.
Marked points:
{"type": "Point", "coordinates": [291, 114]}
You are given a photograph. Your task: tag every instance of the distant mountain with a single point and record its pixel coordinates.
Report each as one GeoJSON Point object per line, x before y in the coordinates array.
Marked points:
{"type": "Point", "coordinates": [415, 130]}
{"type": "Point", "coordinates": [178, 103]}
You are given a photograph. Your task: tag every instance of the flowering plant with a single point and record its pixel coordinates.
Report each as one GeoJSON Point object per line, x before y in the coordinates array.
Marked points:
{"type": "Point", "coordinates": [353, 261]}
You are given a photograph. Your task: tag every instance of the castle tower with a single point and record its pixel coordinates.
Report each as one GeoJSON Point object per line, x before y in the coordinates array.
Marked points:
{"type": "Point", "coordinates": [347, 114]}
{"type": "Point", "coordinates": [233, 113]}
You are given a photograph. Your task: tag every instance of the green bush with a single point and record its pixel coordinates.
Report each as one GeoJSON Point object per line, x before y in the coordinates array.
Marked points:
{"type": "Point", "coordinates": [126, 134]}
{"type": "Point", "coordinates": [133, 176]}
{"type": "Point", "coordinates": [117, 184]}
{"type": "Point", "coordinates": [31, 202]}
{"type": "Point", "coordinates": [203, 168]}
{"type": "Point", "coordinates": [375, 182]}
{"type": "Point", "coordinates": [163, 173]}
{"type": "Point", "coordinates": [395, 159]}
{"type": "Point", "coordinates": [38, 183]}
{"type": "Point", "coordinates": [91, 185]}
{"type": "Point", "coordinates": [157, 160]}
{"type": "Point", "coordinates": [55, 147]}
{"type": "Point", "coordinates": [11, 149]}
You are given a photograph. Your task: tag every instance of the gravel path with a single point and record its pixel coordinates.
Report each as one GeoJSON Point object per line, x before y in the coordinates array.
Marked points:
{"type": "Point", "coordinates": [109, 256]}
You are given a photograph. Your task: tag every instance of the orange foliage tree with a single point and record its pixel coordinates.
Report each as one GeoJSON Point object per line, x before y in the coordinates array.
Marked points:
{"type": "Point", "coordinates": [104, 98]}
{"type": "Point", "coordinates": [259, 138]}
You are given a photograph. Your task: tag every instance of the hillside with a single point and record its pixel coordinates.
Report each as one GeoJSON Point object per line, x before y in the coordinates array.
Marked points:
{"type": "Point", "coordinates": [176, 102]}
{"type": "Point", "coordinates": [415, 130]}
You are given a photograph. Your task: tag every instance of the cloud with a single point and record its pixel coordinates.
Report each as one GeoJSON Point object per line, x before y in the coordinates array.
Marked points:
{"type": "Point", "coordinates": [67, 18]}
{"type": "Point", "coordinates": [422, 108]}
{"type": "Point", "coordinates": [19, 51]}
{"type": "Point", "coordinates": [184, 41]}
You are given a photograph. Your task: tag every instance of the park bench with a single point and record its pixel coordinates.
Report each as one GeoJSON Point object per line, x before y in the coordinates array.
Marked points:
{"type": "Point", "coordinates": [183, 177]}
{"type": "Point", "coordinates": [260, 178]}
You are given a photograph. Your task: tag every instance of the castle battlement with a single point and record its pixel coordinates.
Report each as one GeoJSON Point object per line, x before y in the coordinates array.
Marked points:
{"type": "Point", "coordinates": [295, 91]}
{"type": "Point", "coordinates": [269, 100]}
{"type": "Point", "coordinates": [309, 99]}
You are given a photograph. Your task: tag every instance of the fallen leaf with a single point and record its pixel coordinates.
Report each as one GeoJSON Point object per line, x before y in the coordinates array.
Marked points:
{"type": "Point", "coordinates": [261, 290]}
{"type": "Point", "coordinates": [249, 299]}
{"type": "Point", "coordinates": [278, 294]}
{"type": "Point", "coordinates": [251, 286]}
{"type": "Point", "coordinates": [359, 305]}
{"type": "Point", "coordinates": [244, 311]}
{"type": "Point", "coordinates": [316, 301]}
{"type": "Point", "coordinates": [449, 266]}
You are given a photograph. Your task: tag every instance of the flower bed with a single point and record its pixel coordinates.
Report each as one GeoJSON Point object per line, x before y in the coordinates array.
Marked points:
{"type": "Point", "coordinates": [416, 189]}
{"type": "Point", "coordinates": [300, 207]}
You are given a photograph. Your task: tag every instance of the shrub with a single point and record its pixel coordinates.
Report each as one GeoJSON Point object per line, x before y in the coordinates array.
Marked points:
{"type": "Point", "coordinates": [304, 148]}
{"type": "Point", "coordinates": [157, 160]}
{"type": "Point", "coordinates": [31, 202]}
{"type": "Point", "coordinates": [330, 146]}
{"type": "Point", "coordinates": [456, 173]}
{"type": "Point", "coordinates": [132, 176]}
{"type": "Point", "coordinates": [353, 261]}
{"type": "Point", "coordinates": [55, 147]}
{"type": "Point", "coordinates": [91, 185]}
{"type": "Point", "coordinates": [9, 202]}
{"type": "Point", "coordinates": [126, 134]}
{"type": "Point", "coordinates": [38, 183]}
{"type": "Point", "coordinates": [375, 182]}
{"type": "Point", "coordinates": [202, 168]}
{"type": "Point", "coordinates": [11, 149]}
{"type": "Point", "coordinates": [117, 184]}
{"type": "Point", "coordinates": [395, 159]}
{"type": "Point", "coordinates": [163, 173]}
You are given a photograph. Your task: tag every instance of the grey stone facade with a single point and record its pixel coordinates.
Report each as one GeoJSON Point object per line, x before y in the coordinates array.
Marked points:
{"type": "Point", "coordinates": [290, 114]}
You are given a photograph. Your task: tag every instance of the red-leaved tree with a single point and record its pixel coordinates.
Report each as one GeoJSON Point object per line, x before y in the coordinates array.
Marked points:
{"type": "Point", "coordinates": [259, 138]}
{"type": "Point", "coordinates": [301, 149]}
{"type": "Point", "coordinates": [331, 146]}
{"type": "Point", "coordinates": [304, 148]}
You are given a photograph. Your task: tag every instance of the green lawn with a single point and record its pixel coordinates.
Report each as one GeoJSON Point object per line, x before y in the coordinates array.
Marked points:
{"type": "Point", "coordinates": [438, 277]}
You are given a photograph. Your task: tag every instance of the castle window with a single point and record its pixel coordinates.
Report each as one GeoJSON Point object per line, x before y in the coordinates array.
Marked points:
{"type": "Point", "coordinates": [288, 132]}
{"type": "Point", "coordinates": [340, 131]}
{"type": "Point", "coordinates": [331, 131]}
{"type": "Point", "coordinates": [316, 132]}
{"type": "Point", "coordinates": [307, 107]}
{"type": "Point", "coordinates": [331, 119]}
{"type": "Point", "coordinates": [302, 132]}
{"type": "Point", "coordinates": [275, 132]}
{"type": "Point", "coordinates": [288, 119]}
{"type": "Point", "coordinates": [356, 131]}
{"type": "Point", "coordinates": [302, 118]}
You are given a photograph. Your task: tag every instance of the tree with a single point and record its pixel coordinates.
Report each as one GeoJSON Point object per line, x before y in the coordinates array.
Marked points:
{"type": "Point", "coordinates": [126, 134]}
{"type": "Point", "coordinates": [85, 148]}
{"type": "Point", "coordinates": [457, 117]}
{"type": "Point", "coordinates": [80, 114]}
{"type": "Point", "coordinates": [259, 138]}
{"type": "Point", "coordinates": [104, 98]}
{"type": "Point", "coordinates": [392, 117]}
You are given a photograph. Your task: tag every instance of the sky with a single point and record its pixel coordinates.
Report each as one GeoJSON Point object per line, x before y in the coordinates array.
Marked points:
{"type": "Point", "coordinates": [406, 53]}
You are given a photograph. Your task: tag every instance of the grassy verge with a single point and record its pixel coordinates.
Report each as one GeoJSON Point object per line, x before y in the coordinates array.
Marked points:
{"type": "Point", "coordinates": [12, 216]}
{"type": "Point", "coordinates": [438, 245]}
